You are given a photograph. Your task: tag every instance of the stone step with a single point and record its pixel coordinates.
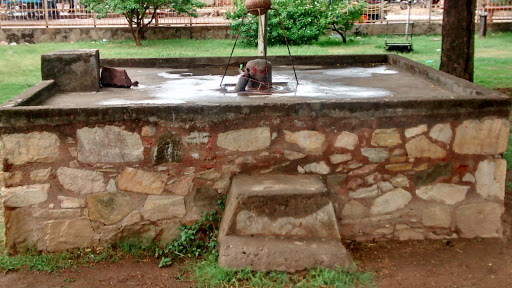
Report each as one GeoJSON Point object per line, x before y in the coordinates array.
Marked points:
{"type": "Point", "coordinates": [280, 222]}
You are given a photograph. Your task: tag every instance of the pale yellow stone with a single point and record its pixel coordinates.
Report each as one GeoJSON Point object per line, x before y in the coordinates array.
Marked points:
{"type": "Point", "coordinates": [346, 140]}
{"type": "Point", "coordinates": [386, 137]}
{"type": "Point", "coordinates": [399, 167]}
{"type": "Point", "coordinates": [244, 140]}
{"type": "Point", "coordinates": [393, 200]}
{"type": "Point", "coordinates": [136, 180]}
{"type": "Point", "coordinates": [442, 192]}
{"type": "Point", "coordinates": [415, 131]}
{"type": "Point", "coordinates": [422, 147]}
{"type": "Point", "coordinates": [487, 137]}
{"type": "Point", "coordinates": [310, 142]}
{"type": "Point", "coordinates": [490, 178]}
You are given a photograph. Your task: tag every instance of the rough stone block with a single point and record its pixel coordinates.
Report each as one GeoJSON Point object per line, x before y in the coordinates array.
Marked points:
{"type": "Point", "coordinates": [376, 155]}
{"type": "Point", "coordinates": [366, 192]}
{"type": "Point", "coordinates": [25, 195]}
{"type": "Point", "coordinates": [108, 208]}
{"type": "Point", "coordinates": [72, 70]}
{"type": "Point", "coordinates": [40, 175]}
{"type": "Point", "coordinates": [10, 179]}
{"type": "Point", "coordinates": [346, 140]}
{"type": "Point", "coordinates": [490, 178]}
{"type": "Point", "coordinates": [136, 180]}
{"type": "Point", "coordinates": [422, 147]}
{"type": "Point", "coordinates": [354, 209]}
{"type": "Point", "coordinates": [245, 139]}
{"type": "Point", "coordinates": [386, 137]}
{"type": "Point", "coordinates": [67, 234]}
{"type": "Point", "coordinates": [319, 168]}
{"type": "Point", "coordinates": [20, 149]}
{"type": "Point", "coordinates": [480, 220]}
{"type": "Point", "coordinates": [168, 149]}
{"type": "Point", "coordinates": [415, 131]}
{"type": "Point", "coordinates": [310, 142]}
{"type": "Point", "coordinates": [442, 192]}
{"type": "Point", "coordinates": [81, 181]}
{"type": "Point", "coordinates": [163, 207]}
{"type": "Point", "coordinates": [108, 144]}
{"type": "Point", "coordinates": [70, 202]}
{"type": "Point", "coordinates": [486, 137]}
{"type": "Point", "coordinates": [280, 222]}
{"type": "Point", "coordinates": [391, 201]}
{"type": "Point", "coordinates": [442, 132]}
{"type": "Point", "coordinates": [437, 216]}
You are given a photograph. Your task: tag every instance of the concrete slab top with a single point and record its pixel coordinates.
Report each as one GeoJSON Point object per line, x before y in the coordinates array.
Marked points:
{"type": "Point", "coordinates": [160, 86]}
{"type": "Point", "coordinates": [277, 185]}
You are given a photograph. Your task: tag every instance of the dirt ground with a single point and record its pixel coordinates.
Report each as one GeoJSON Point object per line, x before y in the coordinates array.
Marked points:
{"type": "Point", "coordinates": [458, 263]}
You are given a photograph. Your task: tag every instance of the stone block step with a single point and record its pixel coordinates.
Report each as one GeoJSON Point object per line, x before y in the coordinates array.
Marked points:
{"type": "Point", "coordinates": [271, 218]}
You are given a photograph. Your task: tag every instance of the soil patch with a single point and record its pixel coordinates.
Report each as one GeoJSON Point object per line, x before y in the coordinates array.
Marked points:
{"type": "Point", "coordinates": [124, 273]}
{"type": "Point", "coordinates": [507, 91]}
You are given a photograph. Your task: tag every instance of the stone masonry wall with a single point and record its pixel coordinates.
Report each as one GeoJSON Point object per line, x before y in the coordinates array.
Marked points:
{"type": "Point", "coordinates": [78, 185]}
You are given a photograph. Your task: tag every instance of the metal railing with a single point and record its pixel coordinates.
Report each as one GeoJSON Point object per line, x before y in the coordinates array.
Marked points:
{"type": "Point", "coordinates": [65, 13]}
{"type": "Point", "coordinates": [497, 10]}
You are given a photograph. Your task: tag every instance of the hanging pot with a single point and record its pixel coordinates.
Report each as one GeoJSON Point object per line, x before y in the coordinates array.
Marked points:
{"type": "Point", "coordinates": [252, 6]}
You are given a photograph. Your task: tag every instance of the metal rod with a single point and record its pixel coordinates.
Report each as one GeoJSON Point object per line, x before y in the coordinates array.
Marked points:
{"type": "Point", "coordinates": [287, 46]}
{"type": "Point", "coordinates": [233, 50]}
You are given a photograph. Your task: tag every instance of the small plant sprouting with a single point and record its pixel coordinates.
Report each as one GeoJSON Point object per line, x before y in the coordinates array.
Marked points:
{"type": "Point", "coordinates": [198, 239]}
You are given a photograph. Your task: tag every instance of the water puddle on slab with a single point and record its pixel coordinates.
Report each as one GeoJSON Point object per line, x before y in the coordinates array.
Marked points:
{"type": "Point", "coordinates": [179, 87]}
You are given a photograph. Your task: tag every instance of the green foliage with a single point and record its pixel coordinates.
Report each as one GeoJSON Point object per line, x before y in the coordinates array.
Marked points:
{"type": "Point", "coordinates": [137, 248]}
{"type": "Point", "coordinates": [508, 153]}
{"type": "Point", "coordinates": [50, 262]}
{"type": "Point", "coordinates": [208, 274]}
{"type": "Point", "coordinates": [132, 8]}
{"type": "Point", "coordinates": [196, 240]}
{"type": "Point", "coordinates": [304, 21]}
{"type": "Point", "coordinates": [136, 11]}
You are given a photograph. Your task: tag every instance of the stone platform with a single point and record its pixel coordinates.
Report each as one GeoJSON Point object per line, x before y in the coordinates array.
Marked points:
{"type": "Point", "coordinates": [280, 222]}
{"type": "Point", "coordinates": [424, 162]}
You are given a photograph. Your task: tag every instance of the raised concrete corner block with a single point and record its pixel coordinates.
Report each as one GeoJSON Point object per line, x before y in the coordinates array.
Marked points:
{"type": "Point", "coordinates": [280, 222]}
{"type": "Point", "coordinates": [73, 70]}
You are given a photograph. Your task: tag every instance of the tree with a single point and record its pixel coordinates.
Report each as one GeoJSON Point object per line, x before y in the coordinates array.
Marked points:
{"type": "Point", "coordinates": [304, 20]}
{"type": "Point", "coordinates": [458, 33]}
{"type": "Point", "coordinates": [137, 12]}
{"type": "Point", "coordinates": [341, 16]}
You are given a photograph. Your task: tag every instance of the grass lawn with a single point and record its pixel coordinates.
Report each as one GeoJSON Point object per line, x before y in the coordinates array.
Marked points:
{"type": "Point", "coordinates": [20, 64]}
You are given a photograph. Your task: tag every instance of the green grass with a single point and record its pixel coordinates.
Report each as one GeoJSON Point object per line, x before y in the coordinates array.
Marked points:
{"type": "Point", "coordinates": [50, 262]}
{"type": "Point", "coordinates": [208, 274]}
{"type": "Point", "coordinates": [21, 63]}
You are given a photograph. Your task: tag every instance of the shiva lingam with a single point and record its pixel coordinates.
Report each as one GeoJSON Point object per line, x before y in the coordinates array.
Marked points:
{"type": "Point", "coordinates": [257, 74]}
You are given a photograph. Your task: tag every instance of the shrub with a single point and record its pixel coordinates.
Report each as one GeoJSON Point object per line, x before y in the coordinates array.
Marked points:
{"type": "Point", "coordinates": [303, 20]}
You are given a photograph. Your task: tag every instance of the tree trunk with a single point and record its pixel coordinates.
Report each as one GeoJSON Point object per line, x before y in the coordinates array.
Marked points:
{"type": "Point", "coordinates": [335, 29]}
{"type": "Point", "coordinates": [137, 38]}
{"type": "Point", "coordinates": [457, 53]}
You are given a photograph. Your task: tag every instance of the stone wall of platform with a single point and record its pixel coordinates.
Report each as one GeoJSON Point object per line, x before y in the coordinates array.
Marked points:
{"type": "Point", "coordinates": [78, 185]}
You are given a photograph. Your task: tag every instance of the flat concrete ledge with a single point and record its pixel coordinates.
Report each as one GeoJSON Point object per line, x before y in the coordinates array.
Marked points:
{"type": "Point", "coordinates": [33, 95]}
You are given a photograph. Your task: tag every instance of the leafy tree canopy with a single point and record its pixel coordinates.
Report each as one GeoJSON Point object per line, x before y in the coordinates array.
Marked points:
{"type": "Point", "coordinates": [303, 20]}
{"type": "Point", "coordinates": [141, 13]}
